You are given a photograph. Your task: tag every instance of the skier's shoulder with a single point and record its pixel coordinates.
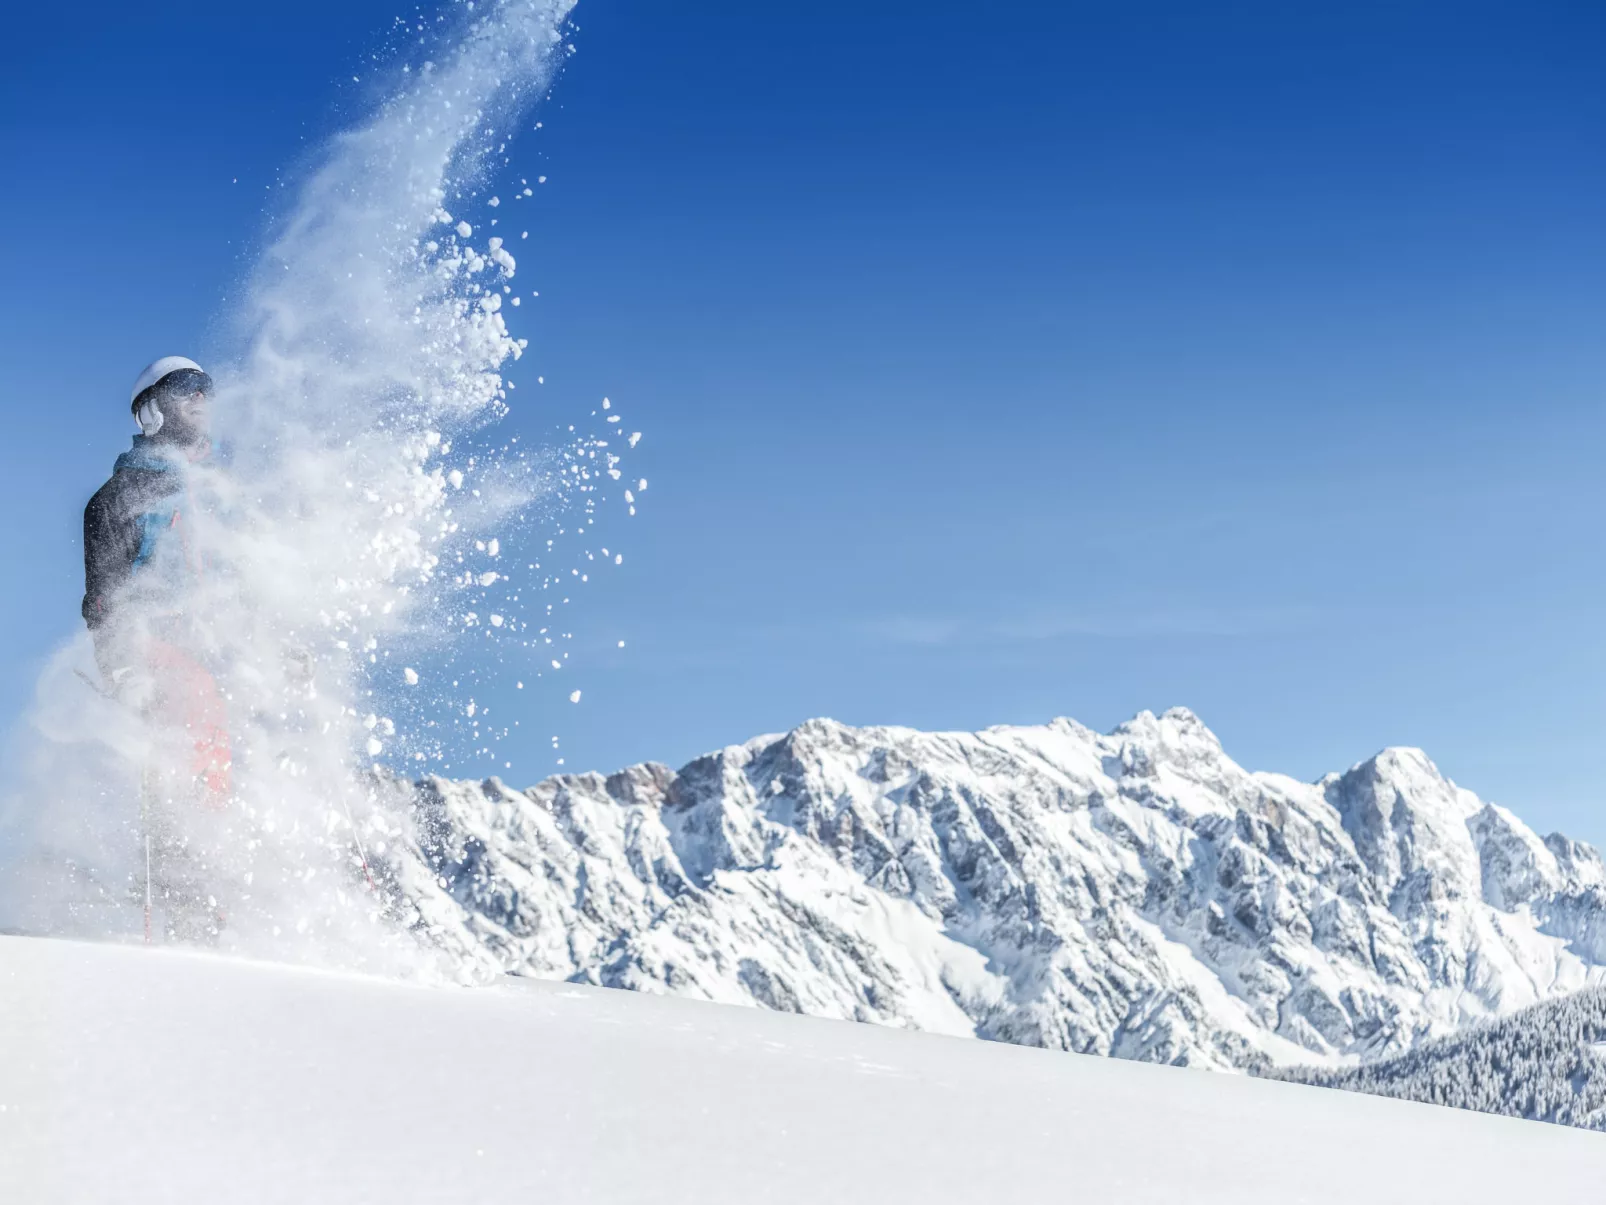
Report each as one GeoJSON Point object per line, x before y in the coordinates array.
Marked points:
{"type": "Point", "coordinates": [105, 503]}
{"type": "Point", "coordinates": [138, 479]}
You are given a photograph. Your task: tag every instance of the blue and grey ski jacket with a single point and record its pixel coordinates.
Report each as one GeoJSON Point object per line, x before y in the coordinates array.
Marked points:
{"type": "Point", "coordinates": [135, 545]}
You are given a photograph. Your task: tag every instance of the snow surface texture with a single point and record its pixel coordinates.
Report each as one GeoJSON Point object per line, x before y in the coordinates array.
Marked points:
{"type": "Point", "coordinates": [140, 1076]}
{"type": "Point", "coordinates": [1546, 1063]}
{"type": "Point", "coordinates": [1136, 894]}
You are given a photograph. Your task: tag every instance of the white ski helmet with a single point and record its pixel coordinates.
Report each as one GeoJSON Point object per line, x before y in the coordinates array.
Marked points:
{"type": "Point", "coordinates": [147, 394]}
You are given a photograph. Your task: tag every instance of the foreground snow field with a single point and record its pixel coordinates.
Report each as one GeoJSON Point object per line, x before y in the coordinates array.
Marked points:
{"type": "Point", "coordinates": [133, 1075]}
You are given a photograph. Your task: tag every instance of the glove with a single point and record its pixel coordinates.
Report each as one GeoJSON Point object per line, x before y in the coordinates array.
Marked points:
{"type": "Point", "coordinates": [299, 667]}
{"type": "Point", "coordinates": [132, 687]}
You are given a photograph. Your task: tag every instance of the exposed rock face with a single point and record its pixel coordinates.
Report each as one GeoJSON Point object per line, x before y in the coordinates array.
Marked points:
{"type": "Point", "coordinates": [1136, 894]}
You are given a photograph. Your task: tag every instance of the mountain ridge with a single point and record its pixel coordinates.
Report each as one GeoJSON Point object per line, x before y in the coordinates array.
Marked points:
{"type": "Point", "coordinates": [1135, 893]}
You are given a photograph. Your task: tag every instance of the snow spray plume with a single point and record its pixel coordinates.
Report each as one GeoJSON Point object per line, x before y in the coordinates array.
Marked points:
{"type": "Point", "coordinates": [373, 334]}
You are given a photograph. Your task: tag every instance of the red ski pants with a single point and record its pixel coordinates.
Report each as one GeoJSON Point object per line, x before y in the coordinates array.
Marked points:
{"type": "Point", "coordinates": [188, 705]}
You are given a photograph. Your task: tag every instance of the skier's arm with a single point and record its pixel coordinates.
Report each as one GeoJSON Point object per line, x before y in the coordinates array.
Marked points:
{"type": "Point", "coordinates": [110, 547]}
{"type": "Point", "coordinates": [102, 564]}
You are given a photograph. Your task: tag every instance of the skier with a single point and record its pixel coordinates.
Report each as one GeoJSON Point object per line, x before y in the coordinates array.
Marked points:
{"type": "Point", "coordinates": [140, 572]}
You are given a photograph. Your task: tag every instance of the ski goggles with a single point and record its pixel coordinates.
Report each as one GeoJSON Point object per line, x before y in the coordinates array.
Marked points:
{"type": "Point", "coordinates": [181, 382]}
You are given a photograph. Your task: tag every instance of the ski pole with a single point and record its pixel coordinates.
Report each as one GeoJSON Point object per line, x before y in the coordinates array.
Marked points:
{"type": "Point", "coordinates": [145, 832]}
{"type": "Point", "coordinates": [356, 837]}
{"type": "Point", "coordinates": [144, 808]}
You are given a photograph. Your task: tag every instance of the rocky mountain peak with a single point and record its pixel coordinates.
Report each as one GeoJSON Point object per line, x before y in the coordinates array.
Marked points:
{"type": "Point", "coordinates": [1134, 893]}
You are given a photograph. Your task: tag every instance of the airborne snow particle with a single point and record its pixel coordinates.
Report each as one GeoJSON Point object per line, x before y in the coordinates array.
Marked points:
{"type": "Point", "coordinates": [574, 696]}
{"type": "Point", "coordinates": [367, 524]}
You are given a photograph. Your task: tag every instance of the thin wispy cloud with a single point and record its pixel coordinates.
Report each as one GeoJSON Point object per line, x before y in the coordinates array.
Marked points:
{"type": "Point", "coordinates": [932, 630]}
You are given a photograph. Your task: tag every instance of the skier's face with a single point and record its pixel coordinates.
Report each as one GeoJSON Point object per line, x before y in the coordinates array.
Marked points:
{"type": "Point", "coordinates": [191, 417]}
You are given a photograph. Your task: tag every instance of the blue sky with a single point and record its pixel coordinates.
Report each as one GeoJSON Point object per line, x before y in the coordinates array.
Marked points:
{"type": "Point", "coordinates": [1063, 359]}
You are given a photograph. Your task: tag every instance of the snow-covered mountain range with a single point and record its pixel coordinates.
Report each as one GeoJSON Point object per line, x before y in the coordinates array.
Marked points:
{"type": "Point", "coordinates": [1135, 893]}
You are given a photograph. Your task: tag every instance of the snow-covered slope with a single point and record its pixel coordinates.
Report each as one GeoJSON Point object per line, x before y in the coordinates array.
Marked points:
{"type": "Point", "coordinates": [1136, 893]}
{"type": "Point", "coordinates": [141, 1076]}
